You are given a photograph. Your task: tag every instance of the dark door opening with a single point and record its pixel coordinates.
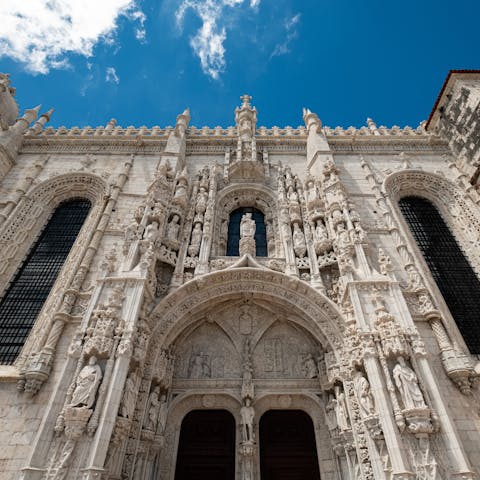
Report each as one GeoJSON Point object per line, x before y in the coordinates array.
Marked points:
{"type": "Point", "coordinates": [206, 449]}
{"type": "Point", "coordinates": [287, 446]}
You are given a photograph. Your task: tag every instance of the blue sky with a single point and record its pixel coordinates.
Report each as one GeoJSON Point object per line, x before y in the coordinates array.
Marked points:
{"type": "Point", "coordinates": [143, 61]}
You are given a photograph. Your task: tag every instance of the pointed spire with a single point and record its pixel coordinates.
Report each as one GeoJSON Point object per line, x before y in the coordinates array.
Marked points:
{"type": "Point", "coordinates": [311, 120]}
{"type": "Point", "coordinates": [182, 122]}
{"type": "Point", "coordinates": [39, 124]}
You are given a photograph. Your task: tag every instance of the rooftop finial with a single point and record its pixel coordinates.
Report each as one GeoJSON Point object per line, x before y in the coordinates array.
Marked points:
{"type": "Point", "coordinates": [246, 100]}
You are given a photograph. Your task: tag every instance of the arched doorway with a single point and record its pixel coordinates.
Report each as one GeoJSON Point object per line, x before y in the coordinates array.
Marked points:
{"type": "Point", "coordinates": [287, 446]}
{"type": "Point", "coordinates": [206, 450]}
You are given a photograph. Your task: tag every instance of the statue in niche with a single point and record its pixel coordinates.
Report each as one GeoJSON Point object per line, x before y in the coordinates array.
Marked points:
{"type": "Point", "coordinates": [247, 226]}
{"type": "Point", "coordinates": [311, 191]}
{"type": "Point", "coordinates": [364, 395]}
{"type": "Point", "coordinates": [407, 383]}
{"type": "Point", "coordinates": [151, 232]}
{"type": "Point", "coordinates": [87, 384]}
{"type": "Point", "coordinates": [202, 199]}
{"type": "Point", "coordinates": [310, 367]}
{"type": "Point", "coordinates": [128, 400]}
{"type": "Point", "coordinates": [162, 416]}
{"type": "Point", "coordinates": [196, 240]}
{"type": "Point", "coordinates": [247, 414]}
{"type": "Point", "coordinates": [299, 244]}
{"type": "Point", "coordinates": [341, 409]}
{"type": "Point", "coordinates": [173, 228]}
{"type": "Point", "coordinates": [292, 195]}
{"type": "Point", "coordinates": [153, 407]}
{"type": "Point", "coordinates": [320, 231]}
{"type": "Point", "coordinates": [330, 413]}
{"type": "Point", "coordinates": [181, 189]}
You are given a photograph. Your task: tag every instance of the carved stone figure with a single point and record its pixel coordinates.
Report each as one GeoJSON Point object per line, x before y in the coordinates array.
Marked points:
{"type": "Point", "coordinates": [299, 244]}
{"type": "Point", "coordinates": [128, 401]}
{"type": "Point", "coordinates": [330, 414]}
{"type": "Point", "coordinates": [341, 411]}
{"type": "Point", "coordinates": [151, 232]}
{"type": "Point", "coordinates": [173, 228]}
{"type": "Point", "coordinates": [364, 395]}
{"type": "Point", "coordinates": [407, 383]}
{"type": "Point", "coordinates": [87, 384]}
{"type": "Point", "coordinates": [310, 367]}
{"type": "Point", "coordinates": [181, 191]}
{"type": "Point", "coordinates": [247, 414]}
{"type": "Point", "coordinates": [199, 367]}
{"type": "Point", "coordinates": [202, 200]}
{"type": "Point", "coordinates": [153, 407]}
{"type": "Point", "coordinates": [196, 240]}
{"type": "Point", "coordinates": [247, 226]}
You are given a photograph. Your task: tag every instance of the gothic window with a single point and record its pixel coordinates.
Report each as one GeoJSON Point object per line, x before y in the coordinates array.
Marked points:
{"type": "Point", "coordinates": [453, 274]}
{"type": "Point", "coordinates": [234, 231]}
{"type": "Point", "coordinates": [31, 285]}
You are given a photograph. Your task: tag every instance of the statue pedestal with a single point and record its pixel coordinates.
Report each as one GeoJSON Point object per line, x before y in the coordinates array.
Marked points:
{"type": "Point", "coordinates": [247, 246]}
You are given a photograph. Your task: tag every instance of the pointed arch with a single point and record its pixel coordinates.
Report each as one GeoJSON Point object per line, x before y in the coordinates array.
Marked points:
{"type": "Point", "coordinates": [443, 224]}
{"type": "Point", "coordinates": [22, 233]}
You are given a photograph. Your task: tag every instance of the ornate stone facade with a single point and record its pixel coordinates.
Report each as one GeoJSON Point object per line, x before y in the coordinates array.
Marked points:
{"type": "Point", "coordinates": [150, 318]}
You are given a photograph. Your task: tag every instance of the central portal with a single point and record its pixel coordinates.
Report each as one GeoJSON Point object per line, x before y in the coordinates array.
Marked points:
{"type": "Point", "coordinates": [206, 449]}
{"type": "Point", "coordinates": [287, 446]}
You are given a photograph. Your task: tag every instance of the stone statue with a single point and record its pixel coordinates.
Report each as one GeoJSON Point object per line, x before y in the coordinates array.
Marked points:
{"type": "Point", "coordinates": [292, 195]}
{"type": "Point", "coordinates": [330, 414]}
{"type": "Point", "coordinates": [87, 384]}
{"type": "Point", "coordinates": [247, 226]}
{"type": "Point", "coordinates": [299, 244]}
{"type": "Point", "coordinates": [202, 199]}
{"type": "Point", "coordinates": [311, 191]}
{"type": "Point", "coordinates": [151, 232]}
{"type": "Point", "coordinates": [181, 189]}
{"type": "Point", "coordinates": [128, 401]}
{"type": "Point", "coordinates": [407, 383]}
{"type": "Point", "coordinates": [153, 407]}
{"type": "Point", "coordinates": [364, 395]}
{"type": "Point", "coordinates": [320, 231]}
{"type": "Point", "coordinates": [247, 414]}
{"type": "Point", "coordinates": [162, 416]}
{"type": "Point", "coordinates": [310, 367]}
{"type": "Point", "coordinates": [196, 240]}
{"type": "Point", "coordinates": [172, 228]}
{"type": "Point", "coordinates": [341, 410]}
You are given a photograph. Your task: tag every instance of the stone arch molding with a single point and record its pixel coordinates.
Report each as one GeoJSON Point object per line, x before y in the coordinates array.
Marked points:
{"type": "Point", "coordinates": [245, 195]}
{"type": "Point", "coordinates": [26, 222]}
{"type": "Point", "coordinates": [28, 218]}
{"type": "Point", "coordinates": [460, 214]}
{"type": "Point", "coordinates": [317, 314]}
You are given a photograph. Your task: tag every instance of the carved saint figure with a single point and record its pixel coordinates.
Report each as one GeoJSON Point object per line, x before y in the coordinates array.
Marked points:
{"type": "Point", "coordinates": [196, 240]}
{"type": "Point", "coordinates": [320, 231]}
{"type": "Point", "coordinates": [128, 401]}
{"type": "Point", "coordinates": [173, 227]}
{"type": "Point", "coordinates": [310, 367]}
{"type": "Point", "coordinates": [299, 244]}
{"type": "Point", "coordinates": [247, 413]}
{"type": "Point", "coordinates": [364, 395]}
{"type": "Point", "coordinates": [341, 410]}
{"type": "Point", "coordinates": [87, 384]}
{"type": "Point", "coordinates": [153, 406]}
{"type": "Point", "coordinates": [311, 191]}
{"type": "Point", "coordinates": [407, 383]}
{"type": "Point", "coordinates": [247, 226]}
{"type": "Point", "coordinates": [162, 416]}
{"type": "Point", "coordinates": [202, 199]}
{"type": "Point", "coordinates": [330, 414]}
{"type": "Point", "coordinates": [151, 231]}
{"type": "Point", "coordinates": [292, 195]}
{"type": "Point", "coordinates": [181, 189]}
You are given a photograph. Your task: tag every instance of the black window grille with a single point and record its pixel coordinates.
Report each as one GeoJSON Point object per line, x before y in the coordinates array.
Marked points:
{"type": "Point", "coordinates": [234, 231]}
{"type": "Point", "coordinates": [452, 272]}
{"type": "Point", "coordinates": [32, 283]}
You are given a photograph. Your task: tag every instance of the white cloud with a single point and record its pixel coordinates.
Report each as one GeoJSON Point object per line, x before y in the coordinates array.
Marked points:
{"type": "Point", "coordinates": [208, 42]}
{"type": "Point", "coordinates": [111, 75]}
{"type": "Point", "coordinates": [39, 33]}
{"type": "Point", "coordinates": [290, 27]}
